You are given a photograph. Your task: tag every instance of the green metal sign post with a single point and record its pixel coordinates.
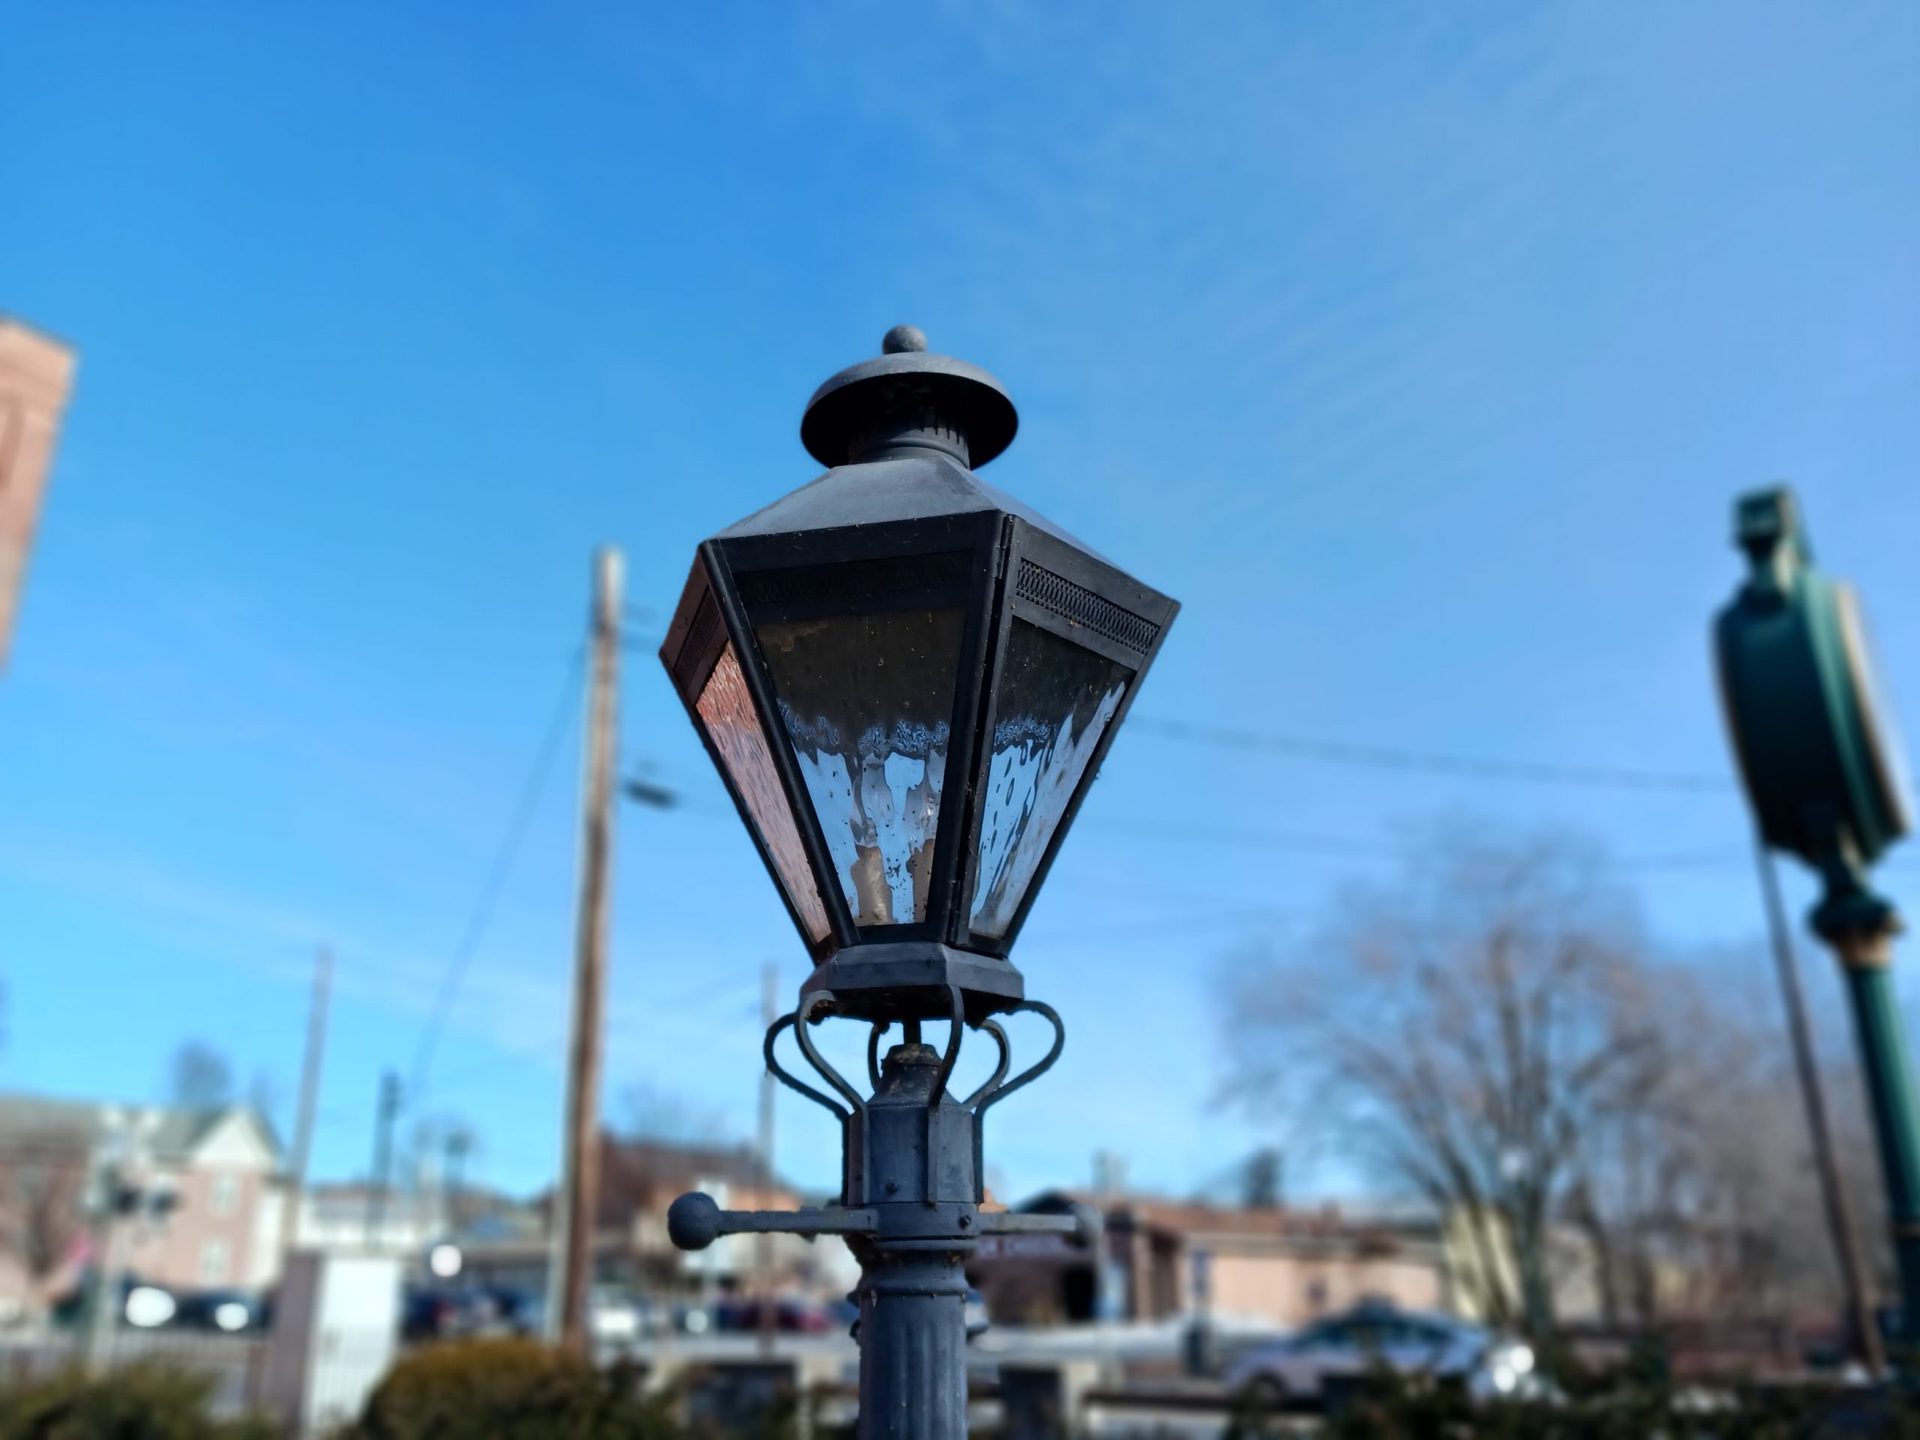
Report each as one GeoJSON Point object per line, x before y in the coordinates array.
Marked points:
{"type": "Point", "coordinates": [1820, 755]}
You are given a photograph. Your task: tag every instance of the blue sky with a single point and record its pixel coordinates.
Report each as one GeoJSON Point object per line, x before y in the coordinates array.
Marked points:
{"type": "Point", "coordinates": [1417, 349]}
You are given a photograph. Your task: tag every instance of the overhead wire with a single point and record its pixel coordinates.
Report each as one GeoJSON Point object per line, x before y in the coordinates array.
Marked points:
{"type": "Point", "coordinates": [1385, 757]}
{"type": "Point", "coordinates": [480, 918]}
{"type": "Point", "coordinates": [1338, 752]}
{"type": "Point", "coordinates": [1351, 847]}
{"type": "Point", "coordinates": [556, 1044]}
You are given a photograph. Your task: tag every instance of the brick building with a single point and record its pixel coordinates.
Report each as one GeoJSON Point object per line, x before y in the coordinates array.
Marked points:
{"type": "Point", "coordinates": [35, 375]}
{"type": "Point", "coordinates": [223, 1167]}
{"type": "Point", "coordinates": [1280, 1266]}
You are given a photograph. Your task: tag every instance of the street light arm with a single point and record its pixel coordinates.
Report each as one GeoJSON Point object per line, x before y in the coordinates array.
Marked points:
{"type": "Point", "coordinates": [1078, 1226]}
{"type": "Point", "coordinates": [695, 1221]}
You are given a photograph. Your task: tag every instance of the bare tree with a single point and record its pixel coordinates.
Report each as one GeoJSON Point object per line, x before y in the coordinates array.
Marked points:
{"type": "Point", "coordinates": [1463, 1030]}
{"type": "Point", "coordinates": [42, 1188]}
{"type": "Point", "coordinates": [199, 1077]}
{"type": "Point", "coordinates": [265, 1095]}
{"type": "Point", "coordinates": [1493, 1031]}
{"type": "Point", "coordinates": [1710, 1182]}
{"type": "Point", "coordinates": [1261, 1177]}
{"type": "Point", "coordinates": [649, 1112]}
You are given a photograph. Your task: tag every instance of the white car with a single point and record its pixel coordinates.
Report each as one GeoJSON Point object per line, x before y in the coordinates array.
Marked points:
{"type": "Point", "coordinates": [613, 1318]}
{"type": "Point", "coordinates": [1371, 1338]}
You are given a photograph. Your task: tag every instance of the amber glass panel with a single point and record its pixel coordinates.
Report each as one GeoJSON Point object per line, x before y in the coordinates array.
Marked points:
{"type": "Point", "coordinates": [726, 709]}
{"type": "Point", "coordinates": [867, 701]}
{"type": "Point", "coordinates": [1055, 701]}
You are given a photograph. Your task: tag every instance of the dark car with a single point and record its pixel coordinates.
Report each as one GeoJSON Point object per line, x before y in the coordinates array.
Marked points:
{"type": "Point", "coordinates": [142, 1305]}
{"type": "Point", "coordinates": [440, 1313]}
{"type": "Point", "coordinates": [228, 1312]}
{"type": "Point", "coordinates": [517, 1312]}
{"type": "Point", "coordinates": [790, 1315]}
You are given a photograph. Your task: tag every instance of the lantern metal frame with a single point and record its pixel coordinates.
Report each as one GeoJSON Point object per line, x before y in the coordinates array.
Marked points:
{"type": "Point", "coordinates": [906, 525]}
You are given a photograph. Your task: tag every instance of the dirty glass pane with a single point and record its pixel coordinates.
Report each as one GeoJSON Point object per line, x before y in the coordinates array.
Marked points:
{"type": "Point", "coordinates": [1055, 702]}
{"type": "Point", "coordinates": [867, 701]}
{"type": "Point", "coordinates": [726, 709]}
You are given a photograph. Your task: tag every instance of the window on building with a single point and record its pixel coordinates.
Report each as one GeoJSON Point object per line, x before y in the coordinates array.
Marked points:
{"type": "Point", "coordinates": [213, 1261]}
{"type": "Point", "coordinates": [226, 1190]}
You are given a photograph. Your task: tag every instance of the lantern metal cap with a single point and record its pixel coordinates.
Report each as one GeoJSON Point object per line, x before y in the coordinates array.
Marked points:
{"type": "Point", "coordinates": [909, 396]}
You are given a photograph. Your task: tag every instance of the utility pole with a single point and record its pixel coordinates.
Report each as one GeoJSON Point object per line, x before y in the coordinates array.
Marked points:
{"type": "Point", "coordinates": [763, 1243]}
{"type": "Point", "coordinates": [309, 1097]}
{"type": "Point", "coordinates": [1840, 1227]}
{"type": "Point", "coordinates": [109, 1179]}
{"type": "Point", "coordinates": [382, 1156]}
{"type": "Point", "coordinates": [458, 1143]}
{"type": "Point", "coordinates": [579, 1194]}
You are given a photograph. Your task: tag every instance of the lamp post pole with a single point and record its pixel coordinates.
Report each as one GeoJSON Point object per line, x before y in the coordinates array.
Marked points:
{"type": "Point", "coordinates": [908, 682]}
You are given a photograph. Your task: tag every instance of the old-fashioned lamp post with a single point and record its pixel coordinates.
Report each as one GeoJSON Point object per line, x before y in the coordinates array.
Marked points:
{"type": "Point", "coordinates": [1821, 756]}
{"type": "Point", "coordinates": [908, 681]}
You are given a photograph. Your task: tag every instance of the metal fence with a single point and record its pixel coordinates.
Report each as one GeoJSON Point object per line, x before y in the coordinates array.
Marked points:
{"type": "Point", "coordinates": [232, 1365]}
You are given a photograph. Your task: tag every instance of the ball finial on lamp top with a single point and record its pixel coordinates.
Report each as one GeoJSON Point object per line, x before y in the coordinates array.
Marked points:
{"type": "Point", "coordinates": [903, 338]}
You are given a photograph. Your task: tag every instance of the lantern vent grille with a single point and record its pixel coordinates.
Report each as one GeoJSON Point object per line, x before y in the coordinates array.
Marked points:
{"type": "Point", "coordinates": [889, 577]}
{"type": "Point", "coordinates": [1081, 606]}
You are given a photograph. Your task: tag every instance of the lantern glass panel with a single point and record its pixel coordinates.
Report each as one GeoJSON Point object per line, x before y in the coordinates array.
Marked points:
{"type": "Point", "coordinates": [1056, 700]}
{"type": "Point", "coordinates": [726, 709]}
{"type": "Point", "coordinates": [867, 701]}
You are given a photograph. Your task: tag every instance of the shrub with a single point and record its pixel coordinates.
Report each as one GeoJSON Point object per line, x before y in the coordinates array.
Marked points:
{"type": "Point", "coordinates": [1392, 1411]}
{"type": "Point", "coordinates": [137, 1402]}
{"type": "Point", "coordinates": [509, 1390]}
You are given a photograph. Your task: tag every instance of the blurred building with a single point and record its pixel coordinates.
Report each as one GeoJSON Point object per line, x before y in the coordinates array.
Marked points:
{"type": "Point", "coordinates": [35, 375]}
{"type": "Point", "coordinates": [1483, 1264]}
{"type": "Point", "coordinates": [1163, 1258]}
{"type": "Point", "coordinates": [357, 1218]}
{"type": "Point", "coordinates": [222, 1168]}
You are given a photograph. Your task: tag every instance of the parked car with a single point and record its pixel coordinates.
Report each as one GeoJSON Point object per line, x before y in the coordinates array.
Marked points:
{"type": "Point", "coordinates": [791, 1315]}
{"type": "Point", "coordinates": [142, 1305]}
{"type": "Point", "coordinates": [613, 1317]}
{"type": "Point", "coordinates": [510, 1311]}
{"type": "Point", "coordinates": [230, 1312]}
{"type": "Point", "coordinates": [1375, 1337]}
{"type": "Point", "coordinates": [440, 1312]}
{"type": "Point", "coordinates": [692, 1319]}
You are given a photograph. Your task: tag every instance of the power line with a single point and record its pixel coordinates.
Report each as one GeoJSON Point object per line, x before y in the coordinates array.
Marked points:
{"type": "Point", "coordinates": [1350, 847]}
{"type": "Point", "coordinates": [555, 1046]}
{"type": "Point", "coordinates": [482, 914]}
{"type": "Point", "coordinates": [1382, 757]}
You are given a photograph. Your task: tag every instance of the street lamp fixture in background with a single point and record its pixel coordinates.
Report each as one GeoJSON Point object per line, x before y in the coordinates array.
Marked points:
{"type": "Point", "coordinates": [1820, 753]}
{"type": "Point", "coordinates": [908, 681]}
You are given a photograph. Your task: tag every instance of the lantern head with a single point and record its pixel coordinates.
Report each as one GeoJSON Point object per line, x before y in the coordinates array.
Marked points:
{"type": "Point", "coordinates": [908, 680]}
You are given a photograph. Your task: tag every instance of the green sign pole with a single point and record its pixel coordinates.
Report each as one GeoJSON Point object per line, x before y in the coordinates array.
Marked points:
{"type": "Point", "coordinates": [1867, 955]}
{"type": "Point", "coordinates": [1820, 754]}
